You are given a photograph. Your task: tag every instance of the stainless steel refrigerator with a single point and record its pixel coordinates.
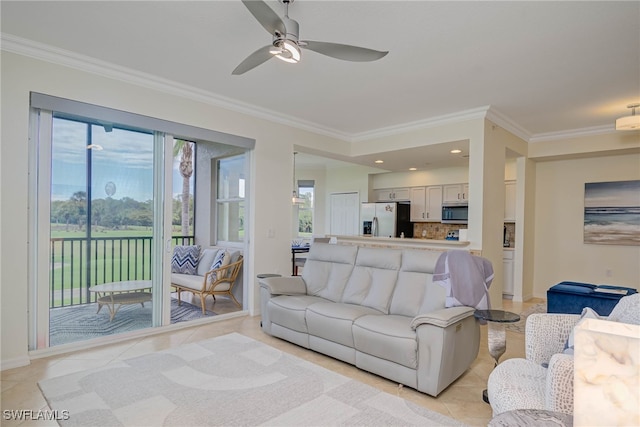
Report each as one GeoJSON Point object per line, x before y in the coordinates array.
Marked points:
{"type": "Point", "coordinates": [386, 219]}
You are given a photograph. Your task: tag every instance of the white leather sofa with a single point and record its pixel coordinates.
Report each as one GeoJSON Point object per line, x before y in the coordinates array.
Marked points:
{"type": "Point", "coordinates": [375, 308]}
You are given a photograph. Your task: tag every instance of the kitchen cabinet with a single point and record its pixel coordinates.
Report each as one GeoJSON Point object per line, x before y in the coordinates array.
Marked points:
{"type": "Point", "coordinates": [426, 204]}
{"type": "Point", "coordinates": [510, 201]}
{"type": "Point", "coordinates": [392, 195]}
{"type": "Point", "coordinates": [452, 193]}
{"type": "Point", "coordinates": [507, 272]}
{"type": "Point", "coordinates": [418, 204]}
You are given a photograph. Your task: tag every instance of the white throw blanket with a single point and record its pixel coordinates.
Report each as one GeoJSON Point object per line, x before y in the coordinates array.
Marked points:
{"type": "Point", "coordinates": [466, 279]}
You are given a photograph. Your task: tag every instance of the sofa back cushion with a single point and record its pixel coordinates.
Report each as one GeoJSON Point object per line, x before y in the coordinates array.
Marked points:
{"type": "Point", "coordinates": [373, 278]}
{"type": "Point", "coordinates": [327, 269]}
{"type": "Point", "coordinates": [415, 292]}
{"type": "Point", "coordinates": [207, 255]}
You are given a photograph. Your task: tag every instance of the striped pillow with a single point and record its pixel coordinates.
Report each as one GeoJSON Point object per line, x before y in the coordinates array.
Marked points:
{"type": "Point", "coordinates": [222, 258]}
{"type": "Point", "coordinates": [185, 259]}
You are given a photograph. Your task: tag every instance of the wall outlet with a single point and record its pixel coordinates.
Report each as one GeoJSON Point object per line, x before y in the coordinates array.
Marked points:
{"type": "Point", "coordinates": [271, 233]}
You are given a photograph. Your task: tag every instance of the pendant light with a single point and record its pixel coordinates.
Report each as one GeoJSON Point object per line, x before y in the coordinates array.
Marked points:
{"type": "Point", "coordinates": [631, 122]}
{"type": "Point", "coordinates": [295, 200]}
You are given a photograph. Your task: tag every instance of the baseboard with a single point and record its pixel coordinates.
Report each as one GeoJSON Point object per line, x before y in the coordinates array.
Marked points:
{"type": "Point", "coordinates": [17, 362]}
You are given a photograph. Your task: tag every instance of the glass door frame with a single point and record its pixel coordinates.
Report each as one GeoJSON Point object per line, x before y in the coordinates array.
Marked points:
{"type": "Point", "coordinates": [40, 169]}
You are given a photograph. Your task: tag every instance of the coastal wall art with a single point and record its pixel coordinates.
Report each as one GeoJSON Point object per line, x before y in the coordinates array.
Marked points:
{"type": "Point", "coordinates": [612, 213]}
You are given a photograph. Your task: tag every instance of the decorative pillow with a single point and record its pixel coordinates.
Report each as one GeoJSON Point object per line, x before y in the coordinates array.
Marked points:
{"type": "Point", "coordinates": [207, 255]}
{"type": "Point", "coordinates": [587, 313]}
{"type": "Point", "coordinates": [221, 259]}
{"type": "Point", "coordinates": [185, 259]}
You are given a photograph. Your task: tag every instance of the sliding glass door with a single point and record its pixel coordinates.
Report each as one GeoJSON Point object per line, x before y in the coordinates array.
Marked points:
{"type": "Point", "coordinates": [111, 194]}
{"type": "Point", "coordinates": [99, 229]}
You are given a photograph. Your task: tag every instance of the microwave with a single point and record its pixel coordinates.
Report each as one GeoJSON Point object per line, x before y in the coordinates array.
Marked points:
{"type": "Point", "coordinates": [455, 213]}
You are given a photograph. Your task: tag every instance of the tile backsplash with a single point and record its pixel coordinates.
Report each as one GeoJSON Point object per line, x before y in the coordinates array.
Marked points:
{"type": "Point", "coordinates": [438, 231]}
{"type": "Point", "coordinates": [434, 230]}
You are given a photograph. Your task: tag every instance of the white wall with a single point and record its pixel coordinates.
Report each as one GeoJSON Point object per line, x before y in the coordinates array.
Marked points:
{"type": "Point", "coordinates": [560, 253]}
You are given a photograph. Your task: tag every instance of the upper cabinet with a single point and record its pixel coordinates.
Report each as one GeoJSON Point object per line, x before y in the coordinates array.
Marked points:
{"type": "Point", "coordinates": [418, 204]}
{"type": "Point", "coordinates": [510, 201]}
{"type": "Point", "coordinates": [455, 193]}
{"type": "Point", "coordinates": [426, 204]}
{"type": "Point", "coordinates": [392, 195]}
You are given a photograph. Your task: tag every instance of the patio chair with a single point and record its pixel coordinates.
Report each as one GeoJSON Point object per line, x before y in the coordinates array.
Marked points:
{"type": "Point", "coordinates": [219, 281]}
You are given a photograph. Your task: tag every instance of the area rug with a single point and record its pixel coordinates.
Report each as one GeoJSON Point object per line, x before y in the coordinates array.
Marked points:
{"type": "Point", "coordinates": [230, 380]}
{"type": "Point", "coordinates": [520, 325]}
{"type": "Point", "coordinates": [81, 322]}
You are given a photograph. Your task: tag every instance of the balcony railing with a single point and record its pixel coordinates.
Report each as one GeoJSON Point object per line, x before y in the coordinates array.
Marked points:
{"type": "Point", "coordinates": [77, 264]}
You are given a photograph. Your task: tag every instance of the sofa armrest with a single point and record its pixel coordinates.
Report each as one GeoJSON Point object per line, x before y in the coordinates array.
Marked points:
{"type": "Point", "coordinates": [293, 285]}
{"type": "Point", "coordinates": [546, 335]}
{"type": "Point", "coordinates": [559, 384]}
{"type": "Point", "coordinates": [443, 317]}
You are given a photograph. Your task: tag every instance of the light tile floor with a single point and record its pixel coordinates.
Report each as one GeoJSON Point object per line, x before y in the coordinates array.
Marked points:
{"type": "Point", "coordinates": [462, 400]}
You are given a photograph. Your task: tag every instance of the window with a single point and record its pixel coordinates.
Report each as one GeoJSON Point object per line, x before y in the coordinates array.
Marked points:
{"type": "Point", "coordinates": [230, 197]}
{"type": "Point", "coordinates": [305, 210]}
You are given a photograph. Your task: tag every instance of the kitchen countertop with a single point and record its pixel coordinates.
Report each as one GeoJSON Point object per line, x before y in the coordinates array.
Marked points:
{"type": "Point", "coordinates": [404, 242]}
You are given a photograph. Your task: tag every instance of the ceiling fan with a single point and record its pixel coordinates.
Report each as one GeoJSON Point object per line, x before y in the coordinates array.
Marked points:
{"type": "Point", "coordinates": [286, 46]}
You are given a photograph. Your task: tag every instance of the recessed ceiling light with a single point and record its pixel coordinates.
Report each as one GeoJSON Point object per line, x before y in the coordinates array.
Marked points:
{"type": "Point", "coordinates": [456, 151]}
{"type": "Point", "coordinates": [413, 169]}
{"type": "Point", "coordinates": [379, 161]}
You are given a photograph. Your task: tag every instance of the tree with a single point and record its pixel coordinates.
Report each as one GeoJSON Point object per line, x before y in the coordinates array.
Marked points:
{"type": "Point", "coordinates": [185, 149]}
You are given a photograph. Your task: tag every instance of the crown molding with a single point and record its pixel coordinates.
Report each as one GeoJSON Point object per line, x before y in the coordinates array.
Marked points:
{"type": "Point", "coordinates": [40, 51]}
{"type": "Point", "coordinates": [461, 116]}
{"type": "Point", "coordinates": [507, 124]}
{"type": "Point", "coordinates": [573, 133]}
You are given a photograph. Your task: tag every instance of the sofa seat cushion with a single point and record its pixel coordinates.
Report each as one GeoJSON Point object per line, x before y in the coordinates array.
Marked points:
{"type": "Point", "coordinates": [334, 321]}
{"type": "Point", "coordinates": [187, 281]}
{"type": "Point", "coordinates": [388, 337]}
{"type": "Point", "coordinates": [289, 310]}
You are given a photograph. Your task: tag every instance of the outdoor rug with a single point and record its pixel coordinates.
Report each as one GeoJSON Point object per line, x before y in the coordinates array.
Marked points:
{"type": "Point", "coordinates": [520, 325]}
{"type": "Point", "coordinates": [230, 380]}
{"type": "Point", "coordinates": [80, 322]}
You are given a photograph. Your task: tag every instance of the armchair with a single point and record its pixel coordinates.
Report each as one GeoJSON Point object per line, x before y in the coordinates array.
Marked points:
{"type": "Point", "coordinates": [544, 379]}
{"type": "Point", "coordinates": [219, 281]}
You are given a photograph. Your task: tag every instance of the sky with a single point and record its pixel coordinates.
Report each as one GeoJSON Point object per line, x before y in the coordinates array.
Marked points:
{"type": "Point", "coordinates": [124, 162]}
{"type": "Point", "coordinates": [612, 194]}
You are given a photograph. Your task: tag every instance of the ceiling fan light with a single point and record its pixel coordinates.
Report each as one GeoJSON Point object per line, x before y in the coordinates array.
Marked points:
{"type": "Point", "coordinates": [628, 123]}
{"type": "Point", "coordinates": [288, 52]}
{"type": "Point", "coordinates": [631, 122]}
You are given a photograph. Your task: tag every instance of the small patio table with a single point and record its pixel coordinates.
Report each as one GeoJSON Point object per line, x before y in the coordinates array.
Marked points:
{"type": "Point", "coordinates": [121, 293]}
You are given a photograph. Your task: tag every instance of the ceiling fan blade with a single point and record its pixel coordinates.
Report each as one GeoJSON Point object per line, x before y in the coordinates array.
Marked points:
{"type": "Point", "coordinates": [256, 58]}
{"type": "Point", "coordinates": [265, 16]}
{"type": "Point", "coordinates": [343, 51]}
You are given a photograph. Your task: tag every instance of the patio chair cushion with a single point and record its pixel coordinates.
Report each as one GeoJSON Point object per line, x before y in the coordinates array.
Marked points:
{"type": "Point", "coordinates": [206, 259]}
{"type": "Point", "coordinates": [190, 281]}
{"type": "Point", "coordinates": [185, 259]}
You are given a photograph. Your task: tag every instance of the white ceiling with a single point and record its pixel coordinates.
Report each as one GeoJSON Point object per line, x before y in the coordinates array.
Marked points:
{"type": "Point", "coordinates": [548, 68]}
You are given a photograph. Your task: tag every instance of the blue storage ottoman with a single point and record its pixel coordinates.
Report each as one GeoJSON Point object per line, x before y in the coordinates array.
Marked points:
{"type": "Point", "coordinates": [572, 297]}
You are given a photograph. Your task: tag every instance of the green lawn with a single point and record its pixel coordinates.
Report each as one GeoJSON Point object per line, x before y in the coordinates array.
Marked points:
{"type": "Point", "coordinates": [115, 255]}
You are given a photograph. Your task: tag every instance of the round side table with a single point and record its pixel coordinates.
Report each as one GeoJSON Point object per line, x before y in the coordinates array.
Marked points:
{"type": "Point", "coordinates": [496, 333]}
